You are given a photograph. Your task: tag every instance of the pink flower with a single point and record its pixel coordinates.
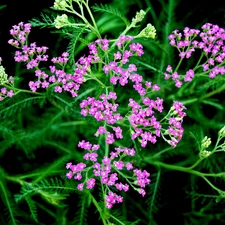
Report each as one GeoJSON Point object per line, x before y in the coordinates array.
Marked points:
{"type": "Point", "coordinates": [80, 187]}
{"type": "Point", "coordinates": [91, 183]}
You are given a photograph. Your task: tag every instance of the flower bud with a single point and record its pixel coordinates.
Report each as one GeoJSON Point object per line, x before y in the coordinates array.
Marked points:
{"type": "Point", "coordinates": [222, 132]}
{"type": "Point", "coordinates": [3, 75]}
{"type": "Point", "coordinates": [206, 142]}
{"type": "Point", "coordinates": [61, 21]}
{"type": "Point", "coordinates": [60, 5]}
{"type": "Point", "coordinates": [148, 32]}
{"type": "Point", "coordinates": [204, 154]}
{"type": "Point", "coordinates": [139, 17]}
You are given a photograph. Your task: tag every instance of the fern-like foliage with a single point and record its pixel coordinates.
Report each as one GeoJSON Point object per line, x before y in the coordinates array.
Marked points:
{"type": "Point", "coordinates": [82, 212]}
{"type": "Point", "coordinates": [11, 210]}
{"type": "Point", "coordinates": [10, 137]}
{"type": "Point", "coordinates": [111, 10]}
{"type": "Point", "coordinates": [74, 37]}
{"type": "Point", "coordinates": [167, 18]}
{"type": "Point", "coordinates": [45, 21]}
{"type": "Point", "coordinates": [154, 196]}
{"type": "Point", "coordinates": [52, 190]}
{"type": "Point", "coordinates": [16, 107]}
{"type": "Point", "coordinates": [206, 198]}
{"type": "Point", "coordinates": [50, 170]}
{"type": "Point", "coordinates": [119, 219]}
{"type": "Point", "coordinates": [33, 209]}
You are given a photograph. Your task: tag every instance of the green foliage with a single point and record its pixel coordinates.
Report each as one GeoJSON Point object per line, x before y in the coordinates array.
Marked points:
{"type": "Point", "coordinates": [45, 21]}
{"type": "Point", "coordinates": [111, 10]}
{"type": "Point", "coordinates": [154, 195]}
{"type": "Point", "coordinates": [53, 191]}
{"type": "Point", "coordinates": [117, 218]}
{"type": "Point", "coordinates": [11, 210]}
{"type": "Point", "coordinates": [74, 37]}
{"type": "Point", "coordinates": [32, 208]}
{"type": "Point", "coordinates": [10, 107]}
{"type": "Point", "coordinates": [82, 212]}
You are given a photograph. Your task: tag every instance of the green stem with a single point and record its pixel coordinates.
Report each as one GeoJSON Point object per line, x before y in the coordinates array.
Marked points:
{"type": "Point", "coordinates": [190, 101]}
{"type": "Point", "coordinates": [99, 82]}
{"type": "Point", "coordinates": [161, 152]}
{"type": "Point", "coordinates": [198, 61]}
{"type": "Point", "coordinates": [21, 90]}
{"type": "Point", "coordinates": [222, 88]}
{"type": "Point", "coordinates": [215, 188]}
{"type": "Point", "coordinates": [116, 219]}
{"type": "Point", "coordinates": [125, 178]}
{"type": "Point", "coordinates": [95, 78]}
{"type": "Point", "coordinates": [150, 67]}
{"type": "Point", "coordinates": [106, 145]}
{"type": "Point", "coordinates": [62, 100]}
{"type": "Point", "coordinates": [93, 20]}
{"type": "Point", "coordinates": [17, 180]}
{"type": "Point", "coordinates": [99, 209]}
{"type": "Point", "coordinates": [7, 203]}
{"type": "Point", "coordinates": [84, 19]}
{"type": "Point", "coordinates": [188, 170]}
{"type": "Point", "coordinates": [195, 164]}
{"type": "Point", "coordinates": [178, 65]}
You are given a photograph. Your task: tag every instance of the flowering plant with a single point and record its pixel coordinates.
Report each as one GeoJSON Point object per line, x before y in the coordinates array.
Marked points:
{"type": "Point", "coordinates": [109, 117]}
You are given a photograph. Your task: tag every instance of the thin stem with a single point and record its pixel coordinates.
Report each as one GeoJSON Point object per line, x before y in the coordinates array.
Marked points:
{"type": "Point", "coordinates": [117, 219]}
{"type": "Point", "coordinates": [161, 152]}
{"type": "Point", "coordinates": [21, 90]}
{"type": "Point", "coordinates": [178, 65]}
{"type": "Point", "coordinates": [99, 209]}
{"type": "Point", "coordinates": [83, 18]}
{"type": "Point", "coordinates": [93, 20]}
{"type": "Point", "coordinates": [198, 61]}
{"type": "Point", "coordinates": [222, 88]}
{"type": "Point", "coordinates": [188, 170]}
{"type": "Point", "coordinates": [106, 145]}
{"type": "Point", "coordinates": [215, 188]}
{"type": "Point", "coordinates": [195, 164]}
{"type": "Point", "coordinates": [95, 78]}
{"type": "Point", "coordinates": [7, 203]}
{"type": "Point", "coordinates": [62, 100]}
{"type": "Point", "coordinates": [17, 180]}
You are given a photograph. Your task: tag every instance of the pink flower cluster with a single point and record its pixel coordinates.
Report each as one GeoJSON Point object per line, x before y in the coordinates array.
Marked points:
{"type": "Point", "coordinates": [142, 118]}
{"type": "Point", "coordinates": [110, 136]}
{"type": "Point", "coordinates": [102, 44]}
{"type": "Point", "coordinates": [30, 54]}
{"type": "Point", "coordinates": [20, 33]}
{"type": "Point", "coordinates": [33, 55]}
{"type": "Point", "coordinates": [176, 77]}
{"type": "Point", "coordinates": [123, 75]}
{"type": "Point", "coordinates": [5, 93]}
{"type": "Point", "coordinates": [101, 110]}
{"type": "Point", "coordinates": [175, 129]}
{"type": "Point", "coordinates": [147, 127]}
{"type": "Point", "coordinates": [112, 198]}
{"type": "Point", "coordinates": [59, 78]}
{"type": "Point", "coordinates": [210, 40]}
{"type": "Point", "coordinates": [107, 172]}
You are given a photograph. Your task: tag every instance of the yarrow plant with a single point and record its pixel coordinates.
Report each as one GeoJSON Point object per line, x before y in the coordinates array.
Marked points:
{"type": "Point", "coordinates": [111, 115]}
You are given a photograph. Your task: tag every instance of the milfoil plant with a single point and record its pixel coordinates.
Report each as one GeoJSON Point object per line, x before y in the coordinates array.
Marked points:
{"type": "Point", "coordinates": [91, 124]}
